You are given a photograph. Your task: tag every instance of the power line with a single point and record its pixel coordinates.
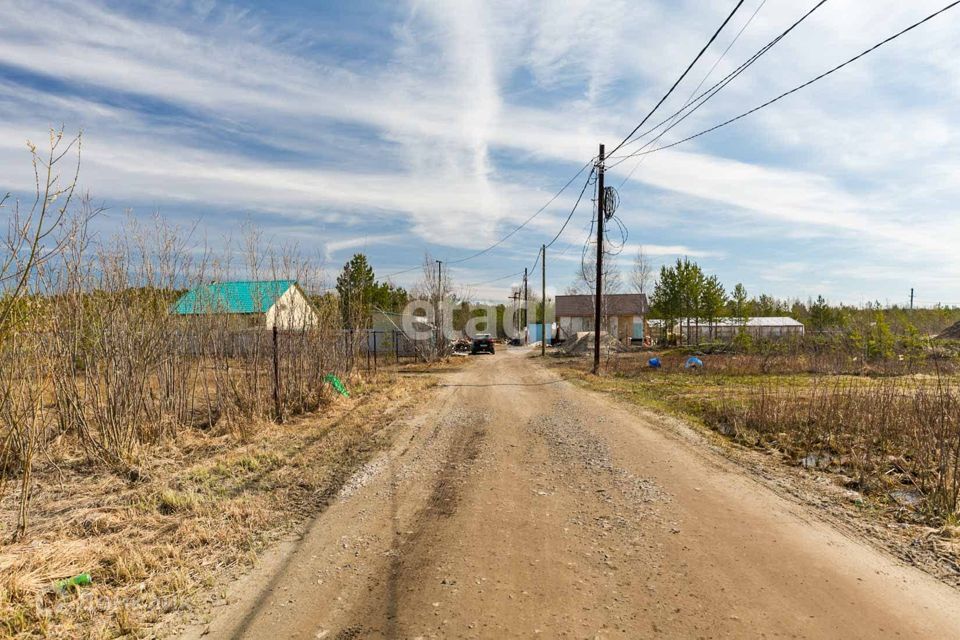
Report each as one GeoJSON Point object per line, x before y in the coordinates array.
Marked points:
{"type": "Point", "coordinates": [720, 85]}
{"type": "Point", "coordinates": [525, 222]}
{"type": "Point", "coordinates": [700, 100]}
{"type": "Point", "coordinates": [727, 50]}
{"type": "Point", "coordinates": [589, 230]}
{"type": "Point", "coordinates": [682, 76]}
{"type": "Point", "coordinates": [801, 86]}
{"type": "Point", "coordinates": [713, 89]}
{"type": "Point", "coordinates": [398, 273]}
{"type": "Point", "coordinates": [537, 261]}
{"type": "Point", "coordinates": [642, 122]}
{"type": "Point", "coordinates": [589, 240]}
{"type": "Point", "coordinates": [509, 235]}
{"type": "Point", "coordinates": [567, 221]}
{"type": "Point", "coordinates": [723, 82]}
{"type": "Point", "coordinates": [509, 275]}
{"type": "Point", "coordinates": [575, 205]}
{"type": "Point", "coordinates": [693, 93]}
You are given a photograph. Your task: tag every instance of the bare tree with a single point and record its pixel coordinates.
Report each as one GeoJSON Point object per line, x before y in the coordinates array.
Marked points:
{"type": "Point", "coordinates": [435, 287]}
{"type": "Point", "coordinates": [586, 280]}
{"type": "Point", "coordinates": [642, 273]}
{"type": "Point", "coordinates": [35, 237]}
{"type": "Point", "coordinates": [31, 238]}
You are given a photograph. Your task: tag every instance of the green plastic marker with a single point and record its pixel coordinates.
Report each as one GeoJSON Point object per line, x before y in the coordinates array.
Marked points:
{"type": "Point", "coordinates": [336, 384]}
{"type": "Point", "coordinates": [76, 581]}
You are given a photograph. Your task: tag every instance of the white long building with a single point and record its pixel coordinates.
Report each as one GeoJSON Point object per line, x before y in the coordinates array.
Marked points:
{"type": "Point", "coordinates": [694, 330]}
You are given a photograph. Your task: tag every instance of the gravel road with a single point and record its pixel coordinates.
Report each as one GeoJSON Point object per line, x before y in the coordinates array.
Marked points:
{"type": "Point", "coordinates": [515, 504]}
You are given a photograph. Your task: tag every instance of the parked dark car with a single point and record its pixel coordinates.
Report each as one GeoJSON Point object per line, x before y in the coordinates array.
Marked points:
{"type": "Point", "coordinates": [482, 343]}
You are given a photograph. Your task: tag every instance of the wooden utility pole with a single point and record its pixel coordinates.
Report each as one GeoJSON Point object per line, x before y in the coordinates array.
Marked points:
{"type": "Point", "coordinates": [515, 296]}
{"type": "Point", "coordinates": [436, 312]}
{"type": "Point", "coordinates": [598, 292]}
{"type": "Point", "coordinates": [911, 298]}
{"type": "Point", "coordinates": [526, 306]}
{"type": "Point", "coordinates": [543, 300]}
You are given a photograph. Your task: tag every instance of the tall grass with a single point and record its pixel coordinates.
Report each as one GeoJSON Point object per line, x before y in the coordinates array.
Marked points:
{"type": "Point", "coordinates": [97, 365]}
{"type": "Point", "coordinates": [902, 430]}
{"type": "Point", "coordinates": [789, 359]}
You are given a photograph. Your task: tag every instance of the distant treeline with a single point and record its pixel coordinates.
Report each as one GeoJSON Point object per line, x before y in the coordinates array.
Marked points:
{"type": "Point", "coordinates": [683, 290]}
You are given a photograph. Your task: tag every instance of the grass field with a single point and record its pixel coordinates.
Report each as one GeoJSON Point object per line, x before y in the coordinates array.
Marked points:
{"type": "Point", "coordinates": [893, 438]}
{"type": "Point", "coordinates": [199, 508]}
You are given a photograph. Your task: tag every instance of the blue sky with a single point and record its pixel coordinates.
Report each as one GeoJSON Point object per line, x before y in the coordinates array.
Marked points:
{"type": "Point", "coordinates": [400, 128]}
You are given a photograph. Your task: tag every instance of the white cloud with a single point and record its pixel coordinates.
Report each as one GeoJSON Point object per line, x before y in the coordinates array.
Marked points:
{"type": "Point", "coordinates": [359, 242]}
{"type": "Point", "coordinates": [658, 250]}
{"type": "Point", "coordinates": [452, 127]}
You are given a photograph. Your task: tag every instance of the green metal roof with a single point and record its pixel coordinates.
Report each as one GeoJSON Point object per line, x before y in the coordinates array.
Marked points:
{"type": "Point", "coordinates": [244, 296]}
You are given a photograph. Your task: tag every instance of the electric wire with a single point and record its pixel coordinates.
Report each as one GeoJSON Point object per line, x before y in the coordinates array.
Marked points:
{"type": "Point", "coordinates": [801, 86]}
{"type": "Point", "coordinates": [589, 230]}
{"type": "Point", "coordinates": [682, 76]}
{"type": "Point", "coordinates": [693, 93]}
{"type": "Point", "coordinates": [567, 221]}
{"type": "Point", "coordinates": [723, 82]}
{"type": "Point", "coordinates": [509, 275]}
{"type": "Point", "coordinates": [700, 100]}
{"type": "Point", "coordinates": [399, 273]}
{"type": "Point", "coordinates": [525, 222]}
{"type": "Point", "coordinates": [589, 242]}
{"type": "Point", "coordinates": [509, 235]}
{"type": "Point", "coordinates": [573, 210]}
{"type": "Point", "coordinates": [647, 117]}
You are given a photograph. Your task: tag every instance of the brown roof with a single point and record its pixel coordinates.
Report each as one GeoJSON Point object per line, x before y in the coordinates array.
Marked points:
{"type": "Point", "coordinates": [617, 304]}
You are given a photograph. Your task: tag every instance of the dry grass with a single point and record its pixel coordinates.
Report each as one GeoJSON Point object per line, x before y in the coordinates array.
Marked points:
{"type": "Point", "coordinates": [895, 439]}
{"type": "Point", "coordinates": [141, 445]}
{"type": "Point", "coordinates": [95, 365]}
{"type": "Point", "coordinates": [895, 435]}
{"type": "Point", "coordinates": [199, 506]}
{"type": "Point", "coordinates": [787, 361]}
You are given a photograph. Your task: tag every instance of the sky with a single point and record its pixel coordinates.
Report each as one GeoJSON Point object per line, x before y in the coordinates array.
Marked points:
{"type": "Point", "coordinates": [401, 128]}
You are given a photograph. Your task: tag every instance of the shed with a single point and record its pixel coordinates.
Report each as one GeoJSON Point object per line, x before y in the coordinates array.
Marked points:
{"type": "Point", "coordinates": [253, 303]}
{"type": "Point", "coordinates": [622, 315]}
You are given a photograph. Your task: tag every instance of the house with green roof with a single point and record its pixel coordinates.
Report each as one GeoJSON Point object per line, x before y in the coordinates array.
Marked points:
{"type": "Point", "coordinates": [253, 303]}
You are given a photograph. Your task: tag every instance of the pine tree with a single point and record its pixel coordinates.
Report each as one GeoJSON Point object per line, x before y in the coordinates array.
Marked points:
{"type": "Point", "coordinates": [741, 305]}
{"type": "Point", "coordinates": [713, 301]}
{"type": "Point", "coordinates": [355, 286]}
{"type": "Point", "coordinates": [820, 315]}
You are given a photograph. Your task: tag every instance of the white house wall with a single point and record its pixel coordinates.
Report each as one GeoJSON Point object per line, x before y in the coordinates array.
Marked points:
{"type": "Point", "coordinates": [291, 311]}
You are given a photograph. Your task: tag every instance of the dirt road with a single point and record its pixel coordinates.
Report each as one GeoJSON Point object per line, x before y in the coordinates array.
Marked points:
{"type": "Point", "coordinates": [518, 505]}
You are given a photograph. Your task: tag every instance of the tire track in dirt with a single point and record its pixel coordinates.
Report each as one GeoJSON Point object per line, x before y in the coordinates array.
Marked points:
{"type": "Point", "coordinates": [516, 507]}
{"type": "Point", "coordinates": [410, 552]}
